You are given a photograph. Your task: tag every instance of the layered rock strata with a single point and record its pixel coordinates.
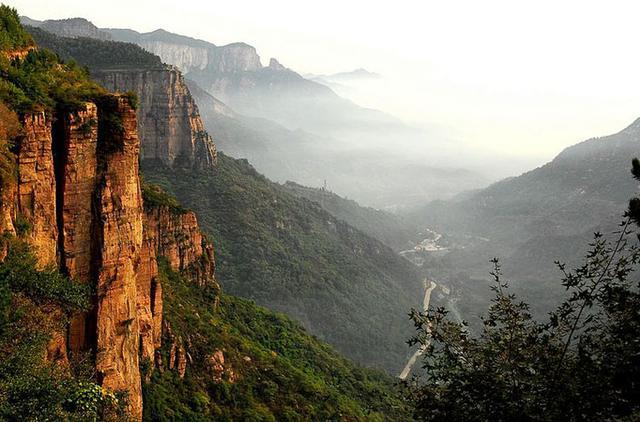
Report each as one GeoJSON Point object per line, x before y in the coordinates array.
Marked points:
{"type": "Point", "coordinates": [169, 122]}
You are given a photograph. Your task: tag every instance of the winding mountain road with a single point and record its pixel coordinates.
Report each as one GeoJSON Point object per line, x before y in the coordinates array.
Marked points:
{"type": "Point", "coordinates": [425, 305]}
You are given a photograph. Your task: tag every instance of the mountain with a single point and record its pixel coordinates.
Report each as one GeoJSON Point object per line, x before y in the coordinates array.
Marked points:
{"type": "Point", "coordinates": [356, 166]}
{"type": "Point", "coordinates": [170, 127]}
{"type": "Point", "coordinates": [532, 220]}
{"type": "Point", "coordinates": [73, 27]}
{"type": "Point", "coordinates": [109, 299]}
{"type": "Point", "coordinates": [234, 74]}
{"type": "Point", "coordinates": [297, 129]}
{"type": "Point", "coordinates": [354, 74]}
{"type": "Point", "coordinates": [383, 179]}
{"type": "Point", "coordinates": [339, 82]}
{"type": "Point", "coordinates": [282, 251]}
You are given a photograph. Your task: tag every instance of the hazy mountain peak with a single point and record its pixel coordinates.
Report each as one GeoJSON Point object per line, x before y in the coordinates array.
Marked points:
{"type": "Point", "coordinates": [633, 128]}
{"type": "Point", "coordinates": [70, 27]}
{"type": "Point", "coordinates": [619, 145]}
{"type": "Point", "coordinates": [275, 64]}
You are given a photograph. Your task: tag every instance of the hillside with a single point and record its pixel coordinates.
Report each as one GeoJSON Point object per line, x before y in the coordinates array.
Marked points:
{"type": "Point", "coordinates": [390, 229]}
{"type": "Point", "coordinates": [253, 364]}
{"type": "Point", "coordinates": [582, 187]}
{"type": "Point", "coordinates": [93, 53]}
{"type": "Point", "coordinates": [290, 255]}
{"type": "Point", "coordinates": [529, 221]}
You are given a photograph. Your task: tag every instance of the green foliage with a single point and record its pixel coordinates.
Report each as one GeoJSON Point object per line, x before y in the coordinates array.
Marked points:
{"type": "Point", "coordinates": [41, 81]}
{"type": "Point", "coordinates": [132, 99]}
{"type": "Point", "coordinates": [87, 127]}
{"type": "Point", "coordinates": [91, 402]}
{"type": "Point", "coordinates": [580, 365]}
{"type": "Point", "coordinates": [110, 125]}
{"type": "Point", "coordinates": [290, 255]}
{"type": "Point", "coordinates": [154, 196]}
{"type": "Point", "coordinates": [33, 305]}
{"type": "Point", "coordinates": [12, 35]}
{"type": "Point", "coordinates": [273, 369]}
{"type": "Point", "coordinates": [97, 54]}
{"type": "Point", "coordinates": [9, 128]}
{"type": "Point", "coordinates": [46, 287]}
{"type": "Point", "coordinates": [22, 225]}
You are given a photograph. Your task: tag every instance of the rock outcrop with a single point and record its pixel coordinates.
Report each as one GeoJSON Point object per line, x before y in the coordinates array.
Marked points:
{"type": "Point", "coordinates": [169, 125]}
{"type": "Point", "coordinates": [118, 245]}
{"type": "Point", "coordinates": [77, 200]}
{"type": "Point", "coordinates": [190, 54]}
{"type": "Point", "coordinates": [177, 236]}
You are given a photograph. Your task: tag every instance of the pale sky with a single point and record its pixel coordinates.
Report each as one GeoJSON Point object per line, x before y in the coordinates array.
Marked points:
{"type": "Point", "coordinates": [515, 78]}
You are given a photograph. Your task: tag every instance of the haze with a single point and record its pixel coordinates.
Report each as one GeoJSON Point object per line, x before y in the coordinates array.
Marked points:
{"type": "Point", "coordinates": [517, 82]}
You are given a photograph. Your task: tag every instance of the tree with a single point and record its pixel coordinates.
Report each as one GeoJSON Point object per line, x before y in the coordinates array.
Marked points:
{"type": "Point", "coordinates": [581, 364]}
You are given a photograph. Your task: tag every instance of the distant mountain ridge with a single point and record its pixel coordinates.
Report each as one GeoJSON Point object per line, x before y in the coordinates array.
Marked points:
{"type": "Point", "coordinates": [72, 27]}
{"type": "Point", "coordinates": [190, 54]}
{"type": "Point", "coordinates": [292, 128]}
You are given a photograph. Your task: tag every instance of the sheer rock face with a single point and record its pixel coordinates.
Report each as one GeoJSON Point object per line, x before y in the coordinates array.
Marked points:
{"type": "Point", "coordinates": [177, 237]}
{"type": "Point", "coordinates": [169, 125]}
{"type": "Point", "coordinates": [77, 193]}
{"type": "Point", "coordinates": [118, 247]}
{"type": "Point", "coordinates": [37, 186]}
{"type": "Point", "coordinates": [149, 301]}
{"type": "Point", "coordinates": [75, 146]}
{"type": "Point", "coordinates": [236, 57]}
{"type": "Point", "coordinates": [7, 211]}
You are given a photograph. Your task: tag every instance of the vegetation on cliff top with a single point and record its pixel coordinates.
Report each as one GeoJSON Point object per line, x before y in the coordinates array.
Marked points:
{"type": "Point", "coordinates": [13, 36]}
{"type": "Point", "coordinates": [154, 196]}
{"type": "Point", "coordinates": [273, 369]}
{"type": "Point", "coordinates": [97, 54]}
{"type": "Point", "coordinates": [38, 80]}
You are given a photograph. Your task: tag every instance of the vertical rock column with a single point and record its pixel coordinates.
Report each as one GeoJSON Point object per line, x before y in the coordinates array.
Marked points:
{"type": "Point", "coordinates": [76, 166]}
{"type": "Point", "coordinates": [37, 186]}
{"type": "Point", "coordinates": [119, 242]}
{"type": "Point", "coordinates": [149, 306]}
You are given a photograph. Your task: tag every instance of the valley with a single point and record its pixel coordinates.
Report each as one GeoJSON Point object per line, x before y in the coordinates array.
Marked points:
{"type": "Point", "coordinates": [190, 234]}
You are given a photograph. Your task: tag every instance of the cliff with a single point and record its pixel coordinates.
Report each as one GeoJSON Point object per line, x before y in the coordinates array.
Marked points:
{"type": "Point", "coordinates": [189, 54]}
{"type": "Point", "coordinates": [169, 123]}
{"type": "Point", "coordinates": [170, 126]}
{"type": "Point", "coordinates": [78, 192]}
